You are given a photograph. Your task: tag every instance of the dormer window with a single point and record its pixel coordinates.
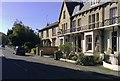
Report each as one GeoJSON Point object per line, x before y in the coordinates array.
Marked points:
{"type": "Point", "coordinates": [94, 2]}
{"type": "Point", "coordinates": [64, 15]}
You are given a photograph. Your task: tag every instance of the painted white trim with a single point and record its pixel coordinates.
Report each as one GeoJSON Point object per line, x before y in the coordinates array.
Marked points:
{"type": "Point", "coordinates": [110, 66]}
{"type": "Point", "coordinates": [110, 35]}
{"type": "Point", "coordinates": [89, 51]}
{"type": "Point", "coordinates": [66, 60]}
{"type": "Point", "coordinates": [85, 36]}
{"type": "Point", "coordinates": [88, 54]}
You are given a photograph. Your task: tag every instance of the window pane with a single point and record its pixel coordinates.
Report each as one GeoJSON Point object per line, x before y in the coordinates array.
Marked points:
{"type": "Point", "coordinates": [89, 18]}
{"type": "Point", "coordinates": [74, 23]}
{"type": "Point", "coordinates": [79, 22]}
{"type": "Point", "coordinates": [114, 40]}
{"type": "Point", "coordinates": [89, 42]}
{"type": "Point", "coordinates": [97, 17]}
{"type": "Point", "coordinates": [89, 46]}
{"type": "Point", "coordinates": [93, 18]}
{"type": "Point", "coordinates": [64, 15]}
{"type": "Point", "coordinates": [47, 33]}
{"type": "Point", "coordinates": [53, 31]}
{"type": "Point", "coordinates": [113, 15]}
{"type": "Point", "coordinates": [61, 41]}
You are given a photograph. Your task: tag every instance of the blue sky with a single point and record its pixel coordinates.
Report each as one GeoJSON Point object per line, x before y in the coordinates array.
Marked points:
{"type": "Point", "coordinates": [33, 14]}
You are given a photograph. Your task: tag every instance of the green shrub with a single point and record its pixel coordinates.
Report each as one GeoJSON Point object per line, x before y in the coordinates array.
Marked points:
{"type": "Point", "coordinates": [66, 48]}
{"type": "Point", "coordinates": [28, 46]}
{"type": "Point", "coordinates": [98, 61]}
{"type": "Point", "coordinates": [89, 60]}
{"type": "Point", "coordinates": [33, 50]}
{"type": "Point", "coordinates": [37, 45]}
{"type": "Point", "coordinates": [74, 58]}
{"type": "Point", "coordinates": [86, 60]}
{"type": "Point", "coordinates": [59, 53]}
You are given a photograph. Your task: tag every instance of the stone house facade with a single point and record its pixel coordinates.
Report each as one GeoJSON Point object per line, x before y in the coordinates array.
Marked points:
{"type": "Point", "coordinates": [93, 26]}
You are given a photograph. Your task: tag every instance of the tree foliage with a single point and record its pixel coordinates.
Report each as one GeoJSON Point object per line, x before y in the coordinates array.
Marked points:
{"type": "Point", "coordinates": [3, 38]}
{"type": "Point", "coordinates": [20, 34]}
{"type": "Point", "coordinates": [67, 48]}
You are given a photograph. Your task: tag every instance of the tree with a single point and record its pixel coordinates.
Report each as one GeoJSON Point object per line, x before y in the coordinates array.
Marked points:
{"type": "Point", "coordinates": [3, 38]}
{"type": "Point", "coordinates": [66, 48]}
{"type": "Point", "coordinates": [22, 35]}
{"type": "Point", "coordinates": [28, 46]}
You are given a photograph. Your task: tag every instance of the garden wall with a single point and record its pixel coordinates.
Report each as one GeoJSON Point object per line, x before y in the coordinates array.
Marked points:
{"type": "Point", "coordinates": [48, 50]}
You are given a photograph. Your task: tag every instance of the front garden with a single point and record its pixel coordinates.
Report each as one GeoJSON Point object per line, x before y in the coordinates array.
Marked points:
{"type": "Point", "coordinates": [66, 53]}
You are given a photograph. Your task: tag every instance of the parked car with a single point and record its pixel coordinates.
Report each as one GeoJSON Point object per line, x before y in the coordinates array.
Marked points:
{"type": "Point", "coordinates": [19, 50]}
{"type": "Point", "coordinates": [3, 45]}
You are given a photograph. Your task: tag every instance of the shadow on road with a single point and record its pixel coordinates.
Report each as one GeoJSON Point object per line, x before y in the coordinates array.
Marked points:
{"type": "Point", "coordinates": [20, 69]}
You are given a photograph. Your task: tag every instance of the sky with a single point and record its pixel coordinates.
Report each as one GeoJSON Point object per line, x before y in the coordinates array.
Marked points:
{"type": "Point", "coordinates": [33, 13]}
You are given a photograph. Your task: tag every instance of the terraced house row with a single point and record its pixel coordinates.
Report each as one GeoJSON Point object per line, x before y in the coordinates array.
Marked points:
{"type": "Point", "coordinates": [93, 26]}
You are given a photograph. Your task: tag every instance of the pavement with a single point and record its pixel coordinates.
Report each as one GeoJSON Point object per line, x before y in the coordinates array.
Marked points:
{"type": "Point", "coordinates": [36, 67]}
{"type": "Point", "coordinates": [97, 69]}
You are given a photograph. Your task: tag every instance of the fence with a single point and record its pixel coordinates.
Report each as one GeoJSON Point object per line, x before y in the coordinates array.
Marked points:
{"type": "Point", "coordinates": [48, 50]}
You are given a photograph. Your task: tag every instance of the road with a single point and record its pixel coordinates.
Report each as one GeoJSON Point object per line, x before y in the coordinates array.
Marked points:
{"type": "Point", "coordinates": [28, 67]}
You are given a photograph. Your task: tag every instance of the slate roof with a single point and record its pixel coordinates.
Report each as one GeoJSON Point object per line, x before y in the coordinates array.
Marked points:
{"type": "Point", "coordinates": [87, 6]}
{"type": "Point", "coordinates": [50, 26]}
{"type": "Point", "coordinates": [71, 6]}
{"type": "Point", "coordinates": [75, 8]}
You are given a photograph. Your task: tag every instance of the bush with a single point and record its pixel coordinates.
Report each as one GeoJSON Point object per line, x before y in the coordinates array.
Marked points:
{"type": "Point", "coordinates": [37, 45]}
{"type": "Point", "coordinates": [98, 61]}
{"type": "Point", "coordinates": [86, 60]}
{"type": "Point", "coordinates": [66, 48]}
{"type": "Point", "coordinates": [89, 60]}
{"type": "Point", "coordinates": [74, 58]}
{"type": "Point", "coordinates": [28, 46]}
{"type": "Point", "coordinates": [33, 50]}
{"type": "Point", "coordinates": [59, 53]}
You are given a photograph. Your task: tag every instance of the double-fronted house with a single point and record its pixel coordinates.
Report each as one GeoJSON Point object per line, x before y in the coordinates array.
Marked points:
{"type": "Point", "coordinates": [93, 26]}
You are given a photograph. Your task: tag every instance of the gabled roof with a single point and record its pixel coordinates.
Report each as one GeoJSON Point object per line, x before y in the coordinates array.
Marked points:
{"type": "Point", "coordinates": [50, 26]}
{"type": "Point", "coordinates": [70, 6]}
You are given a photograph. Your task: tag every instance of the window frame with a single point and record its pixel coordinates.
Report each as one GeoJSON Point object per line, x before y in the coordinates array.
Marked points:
{"type": "Point", "coordinates": [54, 31]}
{"type": "Point", "coordinates": [41, 34]}
{"type": "Point", "coordinates": [74, 24]}
{"type": "Point", "coordinates": [47, 33]}
{"type": "Point", "coordinates": [64, 14]}
{"type": "Point", "coordinates": [115, 37]}
{"type": "Point", "coordinates": [61, 41]}
{"type": "Point", "coordinates": [89, 42]}
{"type": "Point", "coordinates": [113, 14]}
{"type": "Point", "coordinates": [79, 22]}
